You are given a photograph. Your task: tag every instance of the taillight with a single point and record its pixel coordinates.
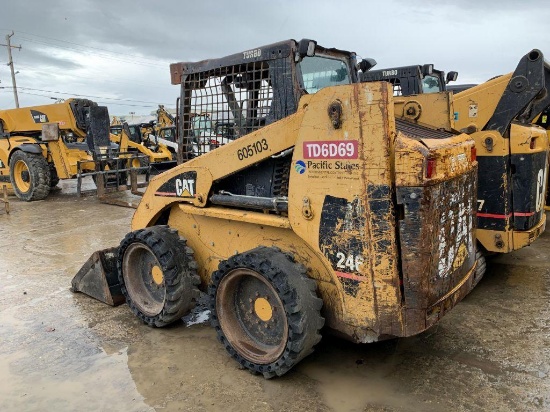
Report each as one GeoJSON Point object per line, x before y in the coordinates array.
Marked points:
{"type": "Point", "coordinates": [430, 168]}
{"type": "Point", "coordinates": [473, 156]}
{"type": "Point", "coordinates": [532, 144]}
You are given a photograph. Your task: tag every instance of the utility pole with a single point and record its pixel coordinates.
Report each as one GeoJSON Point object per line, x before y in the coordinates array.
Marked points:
{"type": "Point", "coordinates": [10, 63]}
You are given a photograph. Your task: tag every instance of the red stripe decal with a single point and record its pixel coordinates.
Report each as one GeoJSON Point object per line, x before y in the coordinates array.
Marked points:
{"type": "Point", "coordinates": [524, 214]}
{"type": "Point", "coordinates": [495, 216]}
{"type": "Point", "coordinates": [350, 276]}
{"type": "Point", "coordinates": [165, 194]}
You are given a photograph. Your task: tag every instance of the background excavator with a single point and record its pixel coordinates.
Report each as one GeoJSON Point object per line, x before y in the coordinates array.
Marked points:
{"type": "Point", "coordinates": [323, 210]}
{"type": "Point", "coordinates": [511, 151]}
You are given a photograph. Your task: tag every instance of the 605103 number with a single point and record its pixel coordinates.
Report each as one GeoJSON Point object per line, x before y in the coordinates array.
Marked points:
{"type": "Point", "coordinates": [252, 149]}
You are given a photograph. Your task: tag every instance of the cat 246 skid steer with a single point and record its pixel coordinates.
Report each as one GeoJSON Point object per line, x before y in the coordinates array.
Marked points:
{"type": "Point", "coordinates": [322, 211]}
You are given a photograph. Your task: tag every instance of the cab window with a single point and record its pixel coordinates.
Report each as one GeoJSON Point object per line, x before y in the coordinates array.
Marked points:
{"type": "Point", "coordinates": [431, 84]}
{"type": "Point", "coordinates": [321, 71]}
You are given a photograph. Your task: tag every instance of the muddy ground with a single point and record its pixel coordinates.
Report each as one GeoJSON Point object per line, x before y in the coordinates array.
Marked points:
{"type": "Point", "coordinates": [62, 351]}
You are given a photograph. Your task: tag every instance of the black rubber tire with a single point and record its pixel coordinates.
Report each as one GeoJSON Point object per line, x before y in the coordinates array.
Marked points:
{"type": "Point", "coordinates": [144, 162]}
{"type": "Point", "coordinates": [37, 176]}
{"type": "Point", "coordinates": [178, 292]}
{"type": "Point", "coordinates": [54, 179]}
{"type": "Point", "coordinates": [300, 311]}
{"type": "Point", "coordinates": [481, 266]}
{"type": "Point", "coordinates": [139, 162]}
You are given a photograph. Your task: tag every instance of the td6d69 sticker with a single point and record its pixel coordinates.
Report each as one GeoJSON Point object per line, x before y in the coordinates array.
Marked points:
{"type": "Point", "coordinates": [332, 149]}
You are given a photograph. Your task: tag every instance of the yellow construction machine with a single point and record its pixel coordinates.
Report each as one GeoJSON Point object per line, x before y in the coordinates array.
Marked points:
{"type": "Point", "coordinates": [323, 210]}
{"type": "Point", "coordinates": [164, 118]}
{"type": "Point", "coordinates": [115, 121]}
{"type": "Point", "coordinates": [41, 144]}
{"type": "Point", "coordinates": [511, 151]}
{"type": "Point", "coordinates": [147, 152]}
{"type": "Point", "coordinates": [143, 138]}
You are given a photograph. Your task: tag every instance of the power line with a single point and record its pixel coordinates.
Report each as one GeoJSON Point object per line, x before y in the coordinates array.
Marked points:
{"type": "Point", "coordinates": [88, 47]}
{"type": "Point", "coordinates": [10, 63]}
{"type": "Point", "coordinates": [100, 102]}
{"type": "Point", "coordinates": [82, 95]}
{"type": "Point", "coordinates": [81, 76]}
{"type": "Point", "coordinates": [113, 56]}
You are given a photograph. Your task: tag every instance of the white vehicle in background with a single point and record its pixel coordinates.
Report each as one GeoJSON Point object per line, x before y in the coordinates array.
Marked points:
{"type": "Point", "coordinates": [207, 135]}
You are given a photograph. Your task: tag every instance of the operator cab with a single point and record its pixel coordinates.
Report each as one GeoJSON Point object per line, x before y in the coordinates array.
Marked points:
{"type": "Point", "coordinates": [408, 80]}
{"type": "Point", "coordinates": [227, 98]}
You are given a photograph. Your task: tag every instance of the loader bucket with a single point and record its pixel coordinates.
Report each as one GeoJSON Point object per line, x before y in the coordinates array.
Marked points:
{"type": "Point", "coordinates": [98, 278]}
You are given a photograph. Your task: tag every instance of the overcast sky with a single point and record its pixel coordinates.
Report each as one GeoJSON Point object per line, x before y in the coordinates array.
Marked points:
{"type": "Point", "coordinates": [118, 52]}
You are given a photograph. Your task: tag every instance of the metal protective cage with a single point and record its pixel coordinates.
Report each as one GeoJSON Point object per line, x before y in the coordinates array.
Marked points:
{"type": "Point", "coordinates": [223, 104]}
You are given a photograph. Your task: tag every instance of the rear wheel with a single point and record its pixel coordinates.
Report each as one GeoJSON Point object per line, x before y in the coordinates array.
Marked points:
{"type": "Point", "coordinates": [29, 176]}
{"type": "Point", "coordinates": [265, 310]}
{"type": "Point", "coordinates": [140, 161]}
{"type": "Point", "coordinates": [158, 275]}
{"type": "Point", "coordinates": [481, 265]}
{"type": "Point", "coordinates": [54, 179]}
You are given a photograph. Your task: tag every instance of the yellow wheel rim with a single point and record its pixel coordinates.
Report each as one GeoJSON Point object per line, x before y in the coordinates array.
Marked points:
{"type": "Point", "coordinates": [156, 273]}
{"type": "Point", "coordinates": [263, 309]}
{"type": "Point", "coordinates": [22, 176]}
{"type": "Point", "coordinates": [135, 162]}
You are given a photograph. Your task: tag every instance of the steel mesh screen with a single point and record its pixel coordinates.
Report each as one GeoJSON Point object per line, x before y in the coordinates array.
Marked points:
{"type": "Point", "coordinates": [230, 102]}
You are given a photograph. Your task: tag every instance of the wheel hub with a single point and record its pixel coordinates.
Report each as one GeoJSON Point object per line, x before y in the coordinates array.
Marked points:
{"type": "Point", "coordinates": [157, 275]}
{"type": "Point", "coordinates": [263, 309]}
{"type": "Point", "coordinates": [25, 177]}
{"type": "Point", "coordinates": [144, 279]}
{"type": "Point", "coordinates": [252, 315]}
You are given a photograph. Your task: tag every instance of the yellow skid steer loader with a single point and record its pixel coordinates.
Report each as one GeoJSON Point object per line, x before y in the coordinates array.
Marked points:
{"type": "Point", "coordinates": [322, 211]}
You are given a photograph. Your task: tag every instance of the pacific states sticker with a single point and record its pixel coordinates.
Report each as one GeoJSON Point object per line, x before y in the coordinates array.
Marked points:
{"type": "Point", "coordinates": [183, 186]}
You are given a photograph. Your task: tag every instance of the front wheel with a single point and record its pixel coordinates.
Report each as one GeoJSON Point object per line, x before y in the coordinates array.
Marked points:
{"type": "Point", "coordinates": [29, 176]}
{"type": "Point", "coordinates": [54, 178]}
{"type": "Point", "coordinates": [265, 310]}
{"type": "Point", "coordinates": [158, 275]}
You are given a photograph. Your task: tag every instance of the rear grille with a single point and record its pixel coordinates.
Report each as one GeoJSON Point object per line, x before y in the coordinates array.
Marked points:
{"type": "Point", "coordinates": [416, 131]}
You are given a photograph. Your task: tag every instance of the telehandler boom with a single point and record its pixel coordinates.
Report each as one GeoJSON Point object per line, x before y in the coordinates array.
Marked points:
{"type": "Point", "coordinates": [324, 210]}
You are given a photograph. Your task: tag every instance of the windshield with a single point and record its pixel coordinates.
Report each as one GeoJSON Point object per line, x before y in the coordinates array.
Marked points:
{"type": "Point", "coordinates": [116, 130]}
{"type": "Point", "coordinates": [169, 134]}
{"type": "Point", "coordinates": [431, 84]}
{"type": "Point", "coordinates": [135, 134]}
{"type": "Point", "coordinates": [202, 125]}
{"type": "Point", "coordinates": [321, 71]}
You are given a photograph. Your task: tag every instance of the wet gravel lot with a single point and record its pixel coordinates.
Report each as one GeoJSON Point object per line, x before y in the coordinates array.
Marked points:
{"type": "Point", "coordinates": [63, 351]}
